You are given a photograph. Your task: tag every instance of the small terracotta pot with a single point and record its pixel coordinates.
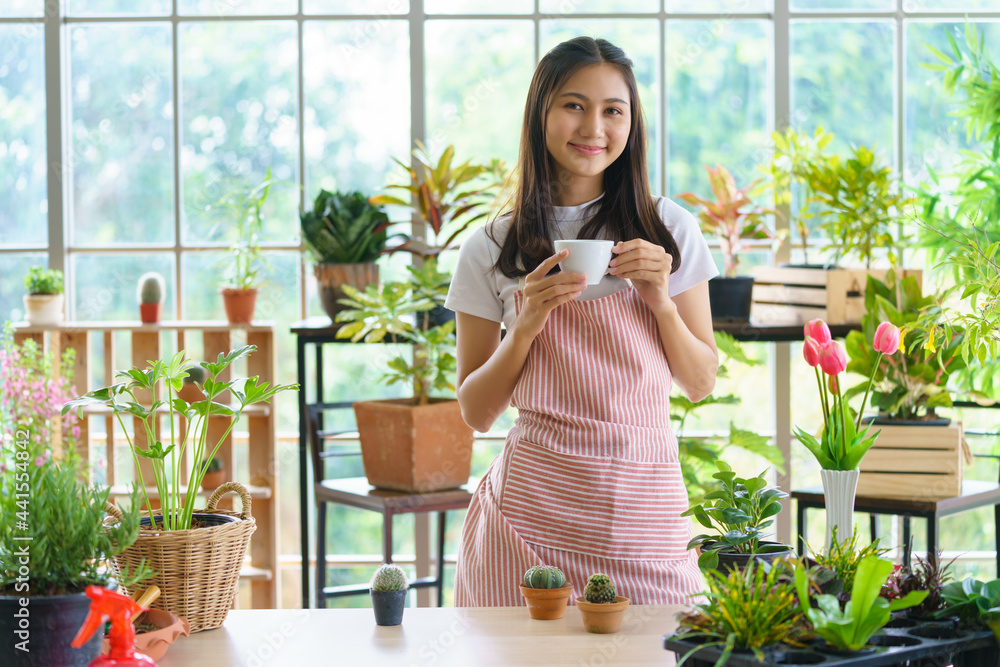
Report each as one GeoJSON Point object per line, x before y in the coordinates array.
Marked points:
{"type": "Point", "coordinates": [155, 644]}
{"type": "Point", "coordinates": [547, 604]}
{"type": "Point", "coordinates": [150, 313]}
{"type": "Point", "coordinates": [213, 480]}
{"type": "Point", "coordinates": [602, 618]}
{"type": "Point", "coordinates": [239, 305]}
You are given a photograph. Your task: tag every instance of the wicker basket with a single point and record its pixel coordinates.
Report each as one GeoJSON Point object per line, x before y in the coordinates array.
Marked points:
{"type": "Point", "coordinates": [197, 570]}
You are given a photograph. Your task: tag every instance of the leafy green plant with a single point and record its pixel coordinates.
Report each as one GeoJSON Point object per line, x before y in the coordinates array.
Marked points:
{"type": "Point", "coordinates": [43, 281]}
{"type": "Point", "coordinates": [212, 465]}
{"type": "Point", "coordinates": [344, 228]}
{"type": "Point", "coordinates": [927, 575]}
{"type": "Point", "coordinates": [164, 379]}
{"type": "Point", "coordinates": [732, 216]}
{"type": "Point", "coordinates": [977, 604]}
{"type": "Point", "coordinates": [739, 509]}
{"type": "Point", "coordinates": [843, 558]}
{"type": "Point", "coordinates": [912, 383]}
{"type": "Point", "coordinates": [849, 628]}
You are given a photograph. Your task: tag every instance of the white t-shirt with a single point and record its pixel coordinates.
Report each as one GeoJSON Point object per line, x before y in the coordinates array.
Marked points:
{"type": "Point", "coordinates": [477, 288]}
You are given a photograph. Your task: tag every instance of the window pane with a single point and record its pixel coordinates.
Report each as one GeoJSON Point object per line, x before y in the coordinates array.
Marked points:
{"type": "Point", "coordinates": [105, 285]}
{"type": "Point", "coordinates": [203, 273]}
{"type": "Point", "coordinates": [22, 8]}
{"type": "Point", "coordinates": [730, 6]}
{"type": "Point", "coordinates": [23, 161]}
{"type": "Point", "coordinates": [15, 268]}
{"type": "Point", "coordinates": [932, 136]}
{"type": "Point", "coordinates": [236, 7]}
{"type": "Point", "coordinates": [842, 80]}
{"type": "Point", "coordinates": [357, 114]}
{"type": "Point", "coordinates": [561, 7]}
{"type": "Point", "coordinates": [839, 5]}
{"type": "Point", "coordinates": [379, 7]}
{"type": "Point", "coordinates": [478, 7]}
{"type": "Point", "coordinates": [118, 8]}
{"type": "Point", "coordinates": [238, 83]}
{"type": "Point", "coordinates": [477, 79]}
{"type": "Point", "coordinates": [949, 5]}
{"type": "Point", "coordinates": [122, 134]}
{"type": "Point", "coordinates": [640, 39]}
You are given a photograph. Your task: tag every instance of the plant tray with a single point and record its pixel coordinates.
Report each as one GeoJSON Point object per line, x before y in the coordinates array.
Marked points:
{"type": "Point", "coordinates": [925, 644]}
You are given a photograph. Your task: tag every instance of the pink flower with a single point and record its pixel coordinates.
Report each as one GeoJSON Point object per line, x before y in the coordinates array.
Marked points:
{"type": "Point", "coordinates": [810, 350]}
{"type": "Point", "coordinates": [834, 386]}
{"type": "Point", "coordinates": [832, 358]}
{"type": "Point", "coordinates": [3, 467]}
{"type": "Point", "coordinates": [818, 330]}
{"type": "Point", "coordinates": [39, 461]}
{"type": "Point", "coordinates": [887, 338]}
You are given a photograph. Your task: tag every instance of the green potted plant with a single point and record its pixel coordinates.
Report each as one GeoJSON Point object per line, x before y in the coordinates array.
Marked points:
{"type": "Point", "coordinates": [215, 474]}
{"type": "Point", "coordinates": [345, 234]}
{"type": "Point", "coordinates": [388, 591]}
{"type": "Point", "coordinates": [601, 608]}
{"type": "Point", "coordinates": [546, 592]}
{"type": "Point", "coordinates": [733, 218]}
{"type": "Point", "coordinates": [150, 294]}
{"type": "Point", "coordinates": [421, 443]}
{"type": "Point", "coordinates": [975, 603]}
{"type": "Point", "coordinates": [194, 584]}
{"type": "Point", "coordinates": [739, 510]}
{"type": "Point", "coordinates": [43, 304]}
{"type": "Point", "coordinates": [929, 575]}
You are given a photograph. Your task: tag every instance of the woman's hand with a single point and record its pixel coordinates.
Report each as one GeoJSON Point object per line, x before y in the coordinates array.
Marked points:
{"type": "Point", "coordinates": [648, 267]}
{"type": "Point", "coordinates": [543, 293]}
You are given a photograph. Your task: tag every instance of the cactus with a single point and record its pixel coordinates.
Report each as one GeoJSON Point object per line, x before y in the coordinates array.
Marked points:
{"type": "Point", "coordinates": [195, 374]}
{"type": "Point", "coordinates": [151, 288]}
{"type": "Point", "coordinates": [389, 577]}
{"type": "Point", "coordinates": [600, 589]}
{"type": "Point", "coordinates": [544, 576]}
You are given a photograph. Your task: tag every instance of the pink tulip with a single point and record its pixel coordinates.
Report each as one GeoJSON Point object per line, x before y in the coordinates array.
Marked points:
{"type": "Point", "coordinates": [819, 330]}
{"type": "Point", "coordinates": [810, 350]}
{"type": "Point", "coordinates": [887, 338]}
{"type": "Point", "coordinates": [832, 358]}
{"type": "Point", "coordinates": [833, 385]}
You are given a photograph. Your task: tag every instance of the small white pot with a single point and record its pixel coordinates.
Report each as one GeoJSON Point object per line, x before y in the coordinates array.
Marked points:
{"type": "Point", "coordinates": [43, 309]}
{"type": "Point", "coordinates": [839, 490]}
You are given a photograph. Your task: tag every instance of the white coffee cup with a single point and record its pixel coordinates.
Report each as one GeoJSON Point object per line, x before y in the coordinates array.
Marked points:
{"type": "Point", "coordinates": [586, 256]}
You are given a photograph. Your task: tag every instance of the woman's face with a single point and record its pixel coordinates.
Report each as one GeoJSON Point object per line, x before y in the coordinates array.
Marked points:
{"type": "Point", "coordinates": [588, 125]}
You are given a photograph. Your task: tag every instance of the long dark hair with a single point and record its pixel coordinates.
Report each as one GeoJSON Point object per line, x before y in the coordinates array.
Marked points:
{"type": "Point", "coordinates": [626, 211]}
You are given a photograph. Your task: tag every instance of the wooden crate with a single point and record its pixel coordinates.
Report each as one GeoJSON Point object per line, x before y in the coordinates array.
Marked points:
{"type": "Point", "coordinates": [915, 462]}
{"type": "Point", "coordinates": [790, 295]}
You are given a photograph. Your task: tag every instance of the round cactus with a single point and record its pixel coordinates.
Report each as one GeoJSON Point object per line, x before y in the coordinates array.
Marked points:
{"type": "Point", "coordinates": [389, 577]}
{"type": "Point", "coordinates": [544, 576]}
{"type": "Point", "coordinates": [151, 288]}
{"type": "Point", "coordinates": [600, 589]}
{"type": "Point", "coordinates": [195, 374]}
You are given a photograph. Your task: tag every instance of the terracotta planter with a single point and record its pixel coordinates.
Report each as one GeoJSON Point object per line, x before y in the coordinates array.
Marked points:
{"type": "Point", "coordinates": [150, 313]}
{"type": "Point", "coordinates": [43, 309]}
{"type": "Point", "coordinates": [331, 278]}
{"type": "Point", "coordinates": [213, 480]}
{"type": "Point", "coordinates": [411, 448]}
{"type": "Point", "coordinates": [155, 643]}
{"type": "Point", "coordinates": [602, 618]}
{"type": "Point", "coordinates": [547, 604]}
{"type": "Point", "coordinates": [239, 305]}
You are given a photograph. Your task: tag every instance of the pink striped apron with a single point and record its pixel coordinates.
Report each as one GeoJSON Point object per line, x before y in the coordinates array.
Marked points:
{"type": "Point", "coordinates": [589, 479]}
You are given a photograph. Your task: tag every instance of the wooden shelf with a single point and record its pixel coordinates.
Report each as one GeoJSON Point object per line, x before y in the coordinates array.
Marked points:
{"type": "Point", "coordinates": [251, 573]}
{"type": "Point", "coordinates": [214, 326]}
{"type": "Point", "coordinates": [256, 492]}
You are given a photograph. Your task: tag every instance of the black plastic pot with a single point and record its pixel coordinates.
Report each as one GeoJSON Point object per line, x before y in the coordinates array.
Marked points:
{"type": "Point", "coordinates": [388, 606]}
{"type": "Point", "coordinates": [46, 625]}
{"type": "Point", "coordinates": [730, 298]}
{"type": "Point", "coordinates": [730, 561]}
{"type": "Point", "coordinates": [437, 316]}
{"type": "Point", "coordinates": [886, 421]}
{"type": "Point", "coordinates": [205, 519]}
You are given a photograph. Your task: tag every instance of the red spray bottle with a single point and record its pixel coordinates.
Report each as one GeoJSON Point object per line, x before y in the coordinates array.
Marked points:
{"type": "Point", "coordinates": [107, 604]}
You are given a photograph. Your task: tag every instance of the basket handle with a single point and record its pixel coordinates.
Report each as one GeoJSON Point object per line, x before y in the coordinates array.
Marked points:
{"type": "Point", "coordinates": [113, 510]}
{"type": "Point", "coordinates": [231, 487]}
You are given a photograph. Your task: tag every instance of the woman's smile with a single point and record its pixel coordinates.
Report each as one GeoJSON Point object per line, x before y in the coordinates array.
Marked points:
{"type": "Point", "coordinates": [587, 150]}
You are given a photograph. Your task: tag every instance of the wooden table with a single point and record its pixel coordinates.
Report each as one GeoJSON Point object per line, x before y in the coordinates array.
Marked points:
{"type": "Point", "coordinates": [464, 636]}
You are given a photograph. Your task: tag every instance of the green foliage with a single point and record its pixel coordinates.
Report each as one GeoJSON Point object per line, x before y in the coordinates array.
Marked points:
{"type": "Point", "coordinates": [599, 589]}
{"type": "Point", "coordinates": [212, 465]}
{"type": "Point", "coordinates": [43, 281]}
{"type": "Point", "coordinates": [344, 228]}
{"type": "Point", "coordinates": [927, 575]}
{"type": "Point", "coordinates": [698, 454]}
{"type": "Point", "coordinates": [842, 559]}
{"type": "Point", "coordinates": [739, 510]}
{"type": "Point", "coordinates": [976, 604]}
{"type": "Point", "coordinates": [913, 382]}
{"type": "Point", "coordinates": [732, 216]}
{"type": "Point", "coordinates": [840, 446]}
{"type": "Point", "coordinates": [849, 628]}
{"type": "Point", "coordinates": [165, 379]}
{"type": "Point", "coordinates": [862, 204]}
{"type": "Point", "coordinates": [447, 198]}
{"type": "Point", "coordinates": [544, 576]}
{"type": "Point", "coordinates": [389, 577]}
{"type": "Point", "coordinates": [49, 512]}
{"type": "Point", "coordinates": [151, 288]}
{"type": "Point", "coordinates": [746, 609]}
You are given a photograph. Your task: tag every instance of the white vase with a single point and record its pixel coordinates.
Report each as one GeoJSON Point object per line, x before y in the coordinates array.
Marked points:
{"type": "Point", "coordinates": [43, 309]}
{"type": "Point", "coordinates": [839, 488]}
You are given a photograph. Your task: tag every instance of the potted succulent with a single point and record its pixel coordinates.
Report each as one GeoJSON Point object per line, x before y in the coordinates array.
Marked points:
{"type": "Point", "coordinates": [388, 591]}
{"type": "Point", "coordinates": [150, 293]}
{"type": "Point", "coordinates": [546, 592]}
{"type": "Point", "coordinates": [215, 474]}
{"type": "Point", "coordinates": [601, 608]}
{"type": "Point", "coordinates": [739, 510]}
{"type": "Point", "coordinates": [929, 575]}
{"type": "Point", "coordinates": [733, 217]}
{"type": "Point", "coordinates": [182, 546]}
{"type": "Point", "coordinates": [345, 235]}
{"type": "Point", "coordinates": [421, 443]}
{"type": "Point", "coordinates": [43, 304]}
